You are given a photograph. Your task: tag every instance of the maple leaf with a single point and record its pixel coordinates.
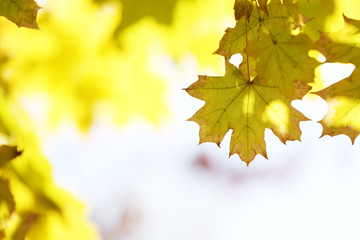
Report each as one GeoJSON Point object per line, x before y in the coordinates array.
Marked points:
{"type": "Point", "coordinates": [246, 107]}
{"type": "Point", "coordinates": [284, 62]}
{"type": "Point", "coordinates": [243, 8]}
{"type": "Point", "coordinates": [343, 97]}
{"type": "Point", "coordinates": [22, 12]}
{"type": "Point", "coordinates": [234, 41]}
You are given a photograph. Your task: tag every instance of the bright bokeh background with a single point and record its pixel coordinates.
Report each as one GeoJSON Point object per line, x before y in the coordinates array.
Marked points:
{"type": "Point", "coordinates": [157, 183]}
{"type": "Point", "coordinates": [103, 89]}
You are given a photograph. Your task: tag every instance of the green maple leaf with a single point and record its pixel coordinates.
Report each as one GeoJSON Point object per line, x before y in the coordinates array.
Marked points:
{"type": "Point", "coordinates": [283, 61]}
{"type": "Point", "coordinates": [22, 12]}
{"type": "Point", "coordinates": [246, 107]}
{"type": "Point", "coordinates": [343, 97]}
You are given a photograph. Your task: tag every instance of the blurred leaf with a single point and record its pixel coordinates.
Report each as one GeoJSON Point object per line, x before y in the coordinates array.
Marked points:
{"type": "Point", "coordinates": [77, 67]}
{"type": "Point", "coordinates": [196, 30]}
{"type": "Point", "coordinates": [133, 11]}
{"type": "Point", "coordinates": [7, 203]}
{"type": "Point", "coordinates": [26, 222]}
{"type": "Point", "coordinates": [8, 153]}
{"type": "Point", "coordinates": [60, 216]}
{"type": "Point", "coordinates": [22, 12]}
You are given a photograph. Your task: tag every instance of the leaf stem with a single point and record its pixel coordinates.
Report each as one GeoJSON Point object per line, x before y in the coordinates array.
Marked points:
{"type": "Point", "coordinates": [246, 44]}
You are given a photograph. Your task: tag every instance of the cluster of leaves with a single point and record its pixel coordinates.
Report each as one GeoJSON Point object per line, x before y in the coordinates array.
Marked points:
{"type": "Point", "coordinates": [86, 57]}
{"type": "Point", "coordinates": [31, 205]}
{"type": "Point", "coordinates": [7, 202]}
{"type": "Point", "coordinates": [29, 199]}
{"type": "Point", "coordinates": [276, 69]}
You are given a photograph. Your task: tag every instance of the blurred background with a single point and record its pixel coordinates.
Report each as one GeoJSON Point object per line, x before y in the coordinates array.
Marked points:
{"type": "Point", "coordinates": [99, 90]}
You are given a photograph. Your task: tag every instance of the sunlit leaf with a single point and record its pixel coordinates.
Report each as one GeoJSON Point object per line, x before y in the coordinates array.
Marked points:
{"type": "Point", "coordinates": [343, 97]}
{"type": "Point", "coordinates": [284, 61]}
{"type": "Point", "coordinates": [246, 107]}
{"type": "Point", "coordinates": [235, 39]}
{"type": "Point", "coordinates": [248, 67]}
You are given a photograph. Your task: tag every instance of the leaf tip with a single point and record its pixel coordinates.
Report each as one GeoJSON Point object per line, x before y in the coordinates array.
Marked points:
{"type": "Point", "coordinates": [8, 153]}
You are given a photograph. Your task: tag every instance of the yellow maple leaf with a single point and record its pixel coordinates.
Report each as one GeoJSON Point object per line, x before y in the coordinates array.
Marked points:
{"type": "Point", "coordinates": [343, 97]}
{"type": "Point", "coordinates": [234, 40]}
{"type": "Point", "coordinates": [246, 107]}
{"type": "Point", "coordinates": [284, 61]}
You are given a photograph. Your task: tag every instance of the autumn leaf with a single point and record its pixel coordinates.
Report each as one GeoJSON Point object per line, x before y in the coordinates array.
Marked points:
{"type": "Point", "coordinates": [22, 12]}
{"type": "Point", "coordinates": [277, 69]}
{"type": "Point", "coordinates": [246, 107]}
{"type": "Point", "coordinates": [235, 39]}
{"type": "Point", "coordinates": [343, 97]}
{"type": "Point", "coordinates": [284, 61]}
{"type": "Point", "coordinates": [243, 8]}
{"type": "Point", "coordinates": [8, 153]}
